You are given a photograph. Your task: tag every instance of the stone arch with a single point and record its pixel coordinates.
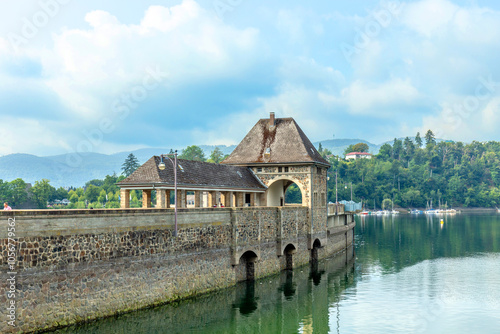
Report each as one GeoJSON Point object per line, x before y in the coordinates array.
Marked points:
{"type": "Point", "coordinates": [245, 270]}
{"type": "Point", "coordinates": [276, 189]}
{"type": "Point", "coordinates": [288, 252]}
{"type": "Point", "coordinates": [314, 251]}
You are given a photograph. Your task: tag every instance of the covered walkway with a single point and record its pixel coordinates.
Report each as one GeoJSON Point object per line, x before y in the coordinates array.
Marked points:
{"type": "Point", "coordinates": [199, 184]}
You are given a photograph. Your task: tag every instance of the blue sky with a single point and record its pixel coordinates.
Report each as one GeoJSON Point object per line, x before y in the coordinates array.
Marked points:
{"type": "Point", "coordinates": [105, 77]}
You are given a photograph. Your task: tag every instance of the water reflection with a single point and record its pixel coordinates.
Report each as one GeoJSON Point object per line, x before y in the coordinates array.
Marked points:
{"type": "Point", "coordinates": [288, 287]}
{"type": "Point", "coordinates": [248, 303]}
{"type": "Point", "coordinates": [398, 242]}
{"type": "Point", "coordinates": [294, 301]}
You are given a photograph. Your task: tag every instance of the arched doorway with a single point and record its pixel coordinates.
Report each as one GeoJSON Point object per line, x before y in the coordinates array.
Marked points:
{"type": "Point", "coordinates": [246, 268]}
{"type": "Point", "coordinates": [277, 191]}
{"type": "Point", "coordinates": [293, 195]}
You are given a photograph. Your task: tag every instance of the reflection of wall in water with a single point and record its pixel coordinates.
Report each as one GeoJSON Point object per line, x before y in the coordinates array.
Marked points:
{"type": "Point", "coordinates": [278, 304]}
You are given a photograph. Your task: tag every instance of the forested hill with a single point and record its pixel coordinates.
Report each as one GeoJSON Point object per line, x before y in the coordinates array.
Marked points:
{"type": "Point", "coordinates": [415, 173]}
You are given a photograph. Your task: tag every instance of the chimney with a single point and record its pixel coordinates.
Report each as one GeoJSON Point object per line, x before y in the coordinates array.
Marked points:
{"type": "Point", "coordinates": [272, 121]}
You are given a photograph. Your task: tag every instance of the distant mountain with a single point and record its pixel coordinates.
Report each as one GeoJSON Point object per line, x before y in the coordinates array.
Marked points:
{"type": "Point", "coordinates": [55, 168]}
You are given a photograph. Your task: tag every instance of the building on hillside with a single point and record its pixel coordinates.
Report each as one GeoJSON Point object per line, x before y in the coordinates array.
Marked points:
{"type": "Point", "coordinates": [358, 155]}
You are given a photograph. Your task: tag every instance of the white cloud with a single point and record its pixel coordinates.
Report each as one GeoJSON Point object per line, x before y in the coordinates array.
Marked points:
{"type": "Point", "coordinates": [429, 17]}
{"type": "Point", "coordinates": [377, 99]}
{"type": "Point", "coordinates": [185, 41]}
{"type": "Point", "coordinates": [90, 68]}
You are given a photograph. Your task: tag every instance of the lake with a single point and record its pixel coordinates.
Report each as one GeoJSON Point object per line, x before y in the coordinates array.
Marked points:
{"type": "Point", "coordinates": [411, 274]}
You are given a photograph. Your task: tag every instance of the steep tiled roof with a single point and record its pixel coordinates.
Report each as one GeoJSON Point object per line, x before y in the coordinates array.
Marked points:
{"type": "Point", "coordinates": [285, 142]}
{"type": "Point", "coordinates": [193, 174]}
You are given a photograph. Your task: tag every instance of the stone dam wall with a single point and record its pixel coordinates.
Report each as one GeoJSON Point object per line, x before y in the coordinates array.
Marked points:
{"type": "Point", "coordinates": [78, 265]}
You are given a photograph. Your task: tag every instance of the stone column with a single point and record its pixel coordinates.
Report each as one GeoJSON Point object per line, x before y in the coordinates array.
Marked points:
{"type": "Point", "coordinates": [181, 198]}
{"type": "Point", "coordinates": [146, 199]}
{"type": "Point", "coordinates": [212, 199]}
{"type": "Point", "coordinates": [228, 199]}
{"type": "Point", "coordinates": [197, 199]}
{"type": "Point", "coordinates": [160, 198]}
{"type": "Point", "coordinates": [167, 198]}
{"type": "Point", "coordinates": [263, 199]}
{"type": "Point", "coordinates": [252, 199]}
{"type": "Point", "coordinates": [124, 198]}
{"type": "Point", "coordinates": [240, 199]}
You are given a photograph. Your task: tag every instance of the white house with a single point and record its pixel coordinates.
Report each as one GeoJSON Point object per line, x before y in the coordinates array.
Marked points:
{"type": "Point", "coordinates": [358, 155]}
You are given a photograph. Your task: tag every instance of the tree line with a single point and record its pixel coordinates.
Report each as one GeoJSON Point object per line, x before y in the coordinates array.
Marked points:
{"type": "Point", "coordinates": [413, 172]}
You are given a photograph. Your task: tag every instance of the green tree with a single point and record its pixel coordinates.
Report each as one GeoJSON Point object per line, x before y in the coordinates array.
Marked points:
{"type": "Point", "coordinates": [385, 152]}
{"type": "Point", "coordinates": [5, 191]}
{"type": "Point", "coordinates": [418, 140]}
{"type": "Point", "coordinates": [95, 182]}
{"type": "Point", "coordinates": [18, 193]}
{"type": "Point", "coordinates": [59, 194]}
{"type": "Point", "coordinates": [386, 204]}
{"type": "Point", "coordinates": [192, 153]}
{"type": "Point", "coordinates": [216, 156]}
{"type": "Point", "coordinates": [397, 149]}
{"type": "Point", "coordinates": [73, 197]}
{"type": "Point", "coordinates": [91, 193]}
{"type": "Point", "coordinates": [361, 147]}
{"type": "Point", "coordinates": [41, 192]}
{"type": "Point", "coordinates": [102, 196]}
{"type": "Point", "coordinates": [430, 139]}
{"type": "Point", "coordinates": [130, 165]}
{"type": "Point", "coordinates": [349, 149]}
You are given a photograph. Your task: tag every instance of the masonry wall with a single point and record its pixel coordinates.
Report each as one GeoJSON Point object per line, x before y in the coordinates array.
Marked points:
{"type": "Point", "coordinates": [77, 265]}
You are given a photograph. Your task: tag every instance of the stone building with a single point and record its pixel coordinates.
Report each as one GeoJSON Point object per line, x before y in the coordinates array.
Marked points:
{"type": "Point", "coordinates": [273, 155]}
{"type": "Point", "coordinates": [280, 154]}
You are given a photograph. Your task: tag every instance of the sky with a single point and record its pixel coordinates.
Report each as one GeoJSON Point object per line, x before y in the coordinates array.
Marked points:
{"type": "Point", "coordinates": [104, 77]}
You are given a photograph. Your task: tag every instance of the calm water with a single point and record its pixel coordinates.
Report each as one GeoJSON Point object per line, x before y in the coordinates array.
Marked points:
{"type": "Point", "coordinates": [411, 275]}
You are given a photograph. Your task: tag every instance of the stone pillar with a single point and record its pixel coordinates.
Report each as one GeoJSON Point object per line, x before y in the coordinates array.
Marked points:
{"type": "Point", "coordinates": [263, 199]}
{"type": "Point", "coordinates": [181, 198]}
{"type": "Point", "coordinates": [167, 198]}
{"type": "Point", "coordinates": [252, 199]}
{"type": "Point", "coordinates": [240, 199]}
{"type": "Point", "coordinates": [124, 198]}
{"type": "Point", "coordinates": [160, 198]}
{"type": "Point", "coordinates": [228, 199]}
{"type": "Point", "coordinates": [197, 199]}
{"type": "Point", "coordinates": [146, 199]}
{"type": "Point", "coordinates": [212, 199]}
